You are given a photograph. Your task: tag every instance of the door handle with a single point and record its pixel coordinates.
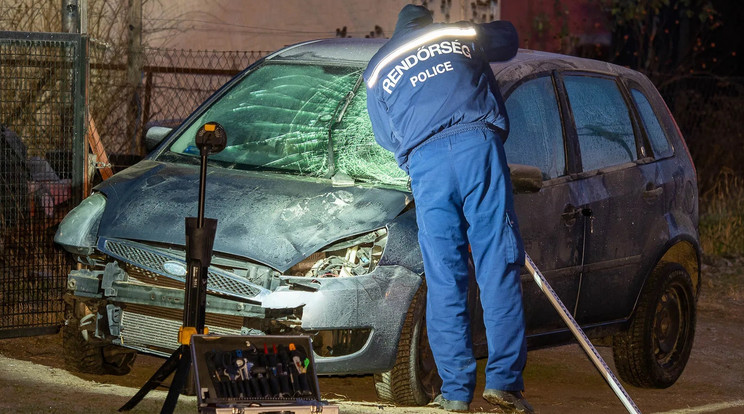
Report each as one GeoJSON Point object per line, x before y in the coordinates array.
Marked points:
{"type": "Point", "coordinates": [569, 215]}
{"type": "Point", "coordinates": [652, 193]}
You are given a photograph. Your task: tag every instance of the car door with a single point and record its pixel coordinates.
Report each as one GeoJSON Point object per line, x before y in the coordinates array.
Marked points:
{"type": "Point", "coordinates": [614, 192]}
{"type": "Point", "coordinates": [550, 222]}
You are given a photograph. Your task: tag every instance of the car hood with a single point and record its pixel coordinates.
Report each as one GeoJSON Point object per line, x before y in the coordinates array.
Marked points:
{"type": "Point", "coordinates": [275, 219]}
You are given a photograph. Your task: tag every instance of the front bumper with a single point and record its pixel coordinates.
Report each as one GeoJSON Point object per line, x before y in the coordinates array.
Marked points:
{"type": "Point", "coordinates": [144, 317]}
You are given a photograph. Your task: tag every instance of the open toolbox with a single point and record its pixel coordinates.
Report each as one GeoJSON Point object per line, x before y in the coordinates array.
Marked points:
{"type": "Point", "coordinates": [256, 374]}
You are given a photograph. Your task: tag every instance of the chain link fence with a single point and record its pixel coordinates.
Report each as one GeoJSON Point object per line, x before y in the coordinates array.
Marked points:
{"type": "Point", "coordinates": [42, 124]}
{"type": "Point", "coordinates": [174, 82]}
{"type": "Point", "coordinates": [41, 131]}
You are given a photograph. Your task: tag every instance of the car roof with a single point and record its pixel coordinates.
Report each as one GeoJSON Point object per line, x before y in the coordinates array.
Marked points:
{"type": "Point", "coordinates": [358, 51]}
{"type": "Point", "coordinates": [528, 63]}
{"type": "Point", "coordinates": [352, 50]}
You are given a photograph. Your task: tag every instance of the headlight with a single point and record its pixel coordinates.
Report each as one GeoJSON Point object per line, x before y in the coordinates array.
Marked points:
{"type": "Point", "coordinates": [78, 230]}
{"type": "Point", "coordinates": [354, 256]}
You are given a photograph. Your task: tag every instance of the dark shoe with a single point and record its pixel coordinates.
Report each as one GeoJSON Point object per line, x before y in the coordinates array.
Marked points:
{"type": "Point", "coordinates": [450, 405]}
{"type": "Point", "coordinates": [509, 401]}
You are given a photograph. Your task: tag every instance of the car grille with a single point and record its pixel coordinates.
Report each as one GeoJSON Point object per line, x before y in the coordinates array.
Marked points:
{"type": "Point", "coordinates": [151, 261]}
{"type": "Point", "coordinates": [143, 331]}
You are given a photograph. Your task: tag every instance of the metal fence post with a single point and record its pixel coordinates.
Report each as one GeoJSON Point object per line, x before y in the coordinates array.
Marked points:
{"type": "Point", "coordinates": [80, 105]}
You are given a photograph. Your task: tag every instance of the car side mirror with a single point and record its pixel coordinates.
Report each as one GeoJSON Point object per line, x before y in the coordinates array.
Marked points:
{"type": "Point", "coordinates": [525, 178]}
{"type": "Point", "coordinates": [155, 135]}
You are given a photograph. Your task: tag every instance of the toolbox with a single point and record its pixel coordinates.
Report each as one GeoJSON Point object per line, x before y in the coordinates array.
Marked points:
{"type": "Point", "coordinates": [238, 374]}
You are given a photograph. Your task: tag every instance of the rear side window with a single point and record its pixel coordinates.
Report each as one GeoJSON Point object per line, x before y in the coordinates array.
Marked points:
{"type": "Point", "coordinates": [602, 122]}
{"type": "Point", "coordinates": [654, 131]}
{"type": "Point", "coordinates": [535, 132]}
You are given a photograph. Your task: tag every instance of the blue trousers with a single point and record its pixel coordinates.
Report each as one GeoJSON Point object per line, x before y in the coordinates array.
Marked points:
{"type": "Point", "coordinates": [463, 195]}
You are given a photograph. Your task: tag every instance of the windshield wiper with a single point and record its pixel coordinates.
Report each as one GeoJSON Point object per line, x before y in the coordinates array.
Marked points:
{"type": "Point", "coordinates": [338, 115]}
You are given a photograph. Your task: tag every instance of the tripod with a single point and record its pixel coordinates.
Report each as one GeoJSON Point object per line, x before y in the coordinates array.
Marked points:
{"type": "Point", "coordinates": [200, 232]}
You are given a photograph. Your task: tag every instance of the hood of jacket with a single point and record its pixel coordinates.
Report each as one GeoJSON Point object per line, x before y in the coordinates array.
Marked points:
{"type": "Point", "coordinates": [412, 17]}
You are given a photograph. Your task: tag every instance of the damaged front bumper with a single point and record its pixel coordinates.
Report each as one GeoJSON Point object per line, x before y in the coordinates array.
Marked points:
{"type": "Point", "coordinates": [355, 322]}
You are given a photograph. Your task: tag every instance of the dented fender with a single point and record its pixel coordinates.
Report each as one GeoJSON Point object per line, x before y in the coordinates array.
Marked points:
{"type": "Point", "coordinates": [378, 301]}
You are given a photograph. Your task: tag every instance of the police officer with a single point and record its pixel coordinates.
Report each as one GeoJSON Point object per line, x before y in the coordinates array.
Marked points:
{"type": "Point", "coordinates": [434, 103]}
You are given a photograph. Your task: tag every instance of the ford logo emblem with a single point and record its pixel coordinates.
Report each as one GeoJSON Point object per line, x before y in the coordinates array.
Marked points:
{"type": "Point", "coordinates": [174, 268]}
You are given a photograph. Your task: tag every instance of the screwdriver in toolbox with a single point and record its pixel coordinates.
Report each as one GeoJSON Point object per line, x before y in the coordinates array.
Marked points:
{"type": "Point", "coordinates": [304, 387]}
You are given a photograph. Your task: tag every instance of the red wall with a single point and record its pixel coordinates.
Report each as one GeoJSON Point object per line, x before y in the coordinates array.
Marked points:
{"type": "Point", "coordinates": [566, 26]}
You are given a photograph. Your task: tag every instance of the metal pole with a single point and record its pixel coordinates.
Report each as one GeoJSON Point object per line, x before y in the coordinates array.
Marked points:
{"type": "Point", "coordinates": [80, 180]}
{"type": "Point", "coordinates": [591, 352]}
{"type": "Point", "coordinates": [73, 115]}
{"type": "Point", "coordinates": [202, 188]}
{"type": "Point", "coordinates": [70, 16]}
{"type": "Point", "coordinates": [83, 11]}
{"type": "Point", "coordinates": [134, 43]}
{"type": "Point", "coordinates": [135, 63]}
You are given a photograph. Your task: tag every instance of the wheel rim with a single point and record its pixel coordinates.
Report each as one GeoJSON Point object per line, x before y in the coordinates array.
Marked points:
{"type": "Point", "coordinates": [671, 325]}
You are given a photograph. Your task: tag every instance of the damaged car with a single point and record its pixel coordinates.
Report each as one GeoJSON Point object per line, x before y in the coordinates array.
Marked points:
{"type": "Point", "coordinates": [317, 233]}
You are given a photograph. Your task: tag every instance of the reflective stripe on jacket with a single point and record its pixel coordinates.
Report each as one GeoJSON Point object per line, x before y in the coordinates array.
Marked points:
{"type": "Point", "coordinates": [429, 78]}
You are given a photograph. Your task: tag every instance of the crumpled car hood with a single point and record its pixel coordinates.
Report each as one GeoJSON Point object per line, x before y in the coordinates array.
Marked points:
{"type": "Point", "coordinates": [274, 219]}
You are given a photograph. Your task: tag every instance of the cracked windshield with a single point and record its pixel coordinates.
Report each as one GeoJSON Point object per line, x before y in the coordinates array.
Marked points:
{"type": "Point", "coordinates": [283, 117]}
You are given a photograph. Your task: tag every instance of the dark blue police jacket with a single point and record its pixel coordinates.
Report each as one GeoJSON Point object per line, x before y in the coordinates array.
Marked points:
{"type": "Point", "coordinates": [431, 77]}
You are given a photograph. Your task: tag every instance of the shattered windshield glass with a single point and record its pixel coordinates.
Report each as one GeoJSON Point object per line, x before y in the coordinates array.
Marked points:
{"type": "Point", "coordinates": [281, 117]}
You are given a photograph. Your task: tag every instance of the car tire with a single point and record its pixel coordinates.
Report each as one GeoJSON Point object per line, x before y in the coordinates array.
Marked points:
{"type": "Point", "coordinates": [653, 351]}
{"type": "Point", "coordinates": [414, 380]}
{"type": "Point", "coordinates": [82, 355]}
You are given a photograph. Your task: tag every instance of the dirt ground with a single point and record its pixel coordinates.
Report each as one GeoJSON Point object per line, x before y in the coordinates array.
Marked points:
{"type": "Point", "coordinates": [558, 380]}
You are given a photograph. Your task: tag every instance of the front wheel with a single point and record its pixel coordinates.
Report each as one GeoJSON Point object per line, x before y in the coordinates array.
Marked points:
{"type": "Point", "coordinates": [83, 355]}
{"type": "Point", "coordinates": [414, 379]}
{"type": "Point", "coordinates": [654, 350]}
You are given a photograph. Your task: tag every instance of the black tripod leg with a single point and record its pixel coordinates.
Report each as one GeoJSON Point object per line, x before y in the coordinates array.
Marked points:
{"type": "Point", "coordinates": [157, 378]}
{"type": "Point", "coordinates": [179, 380]}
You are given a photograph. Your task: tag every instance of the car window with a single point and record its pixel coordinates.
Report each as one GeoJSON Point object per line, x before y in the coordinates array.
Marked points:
{"type": "Point", "coordinates": [279, 117]}
{"type": "Point", "coordinates": [602, 122]}
{"type": "Point", "coordinates": [535, 132]}
{"type": "Point", "coordinates": [654, 131]}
